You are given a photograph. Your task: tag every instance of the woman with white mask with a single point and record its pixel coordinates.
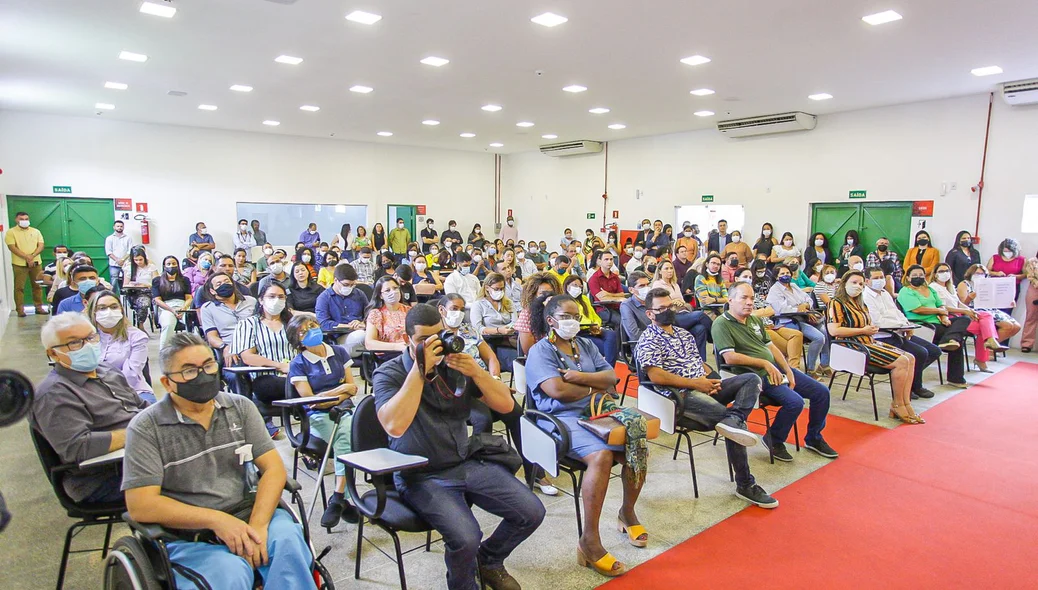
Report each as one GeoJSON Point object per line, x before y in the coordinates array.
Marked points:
{"type": "Point", "coordinates": [123, 346]}
{"type": "Point", "coordinates": [262, 341]}
{"type": "Point", "coordinates": [493, 316]}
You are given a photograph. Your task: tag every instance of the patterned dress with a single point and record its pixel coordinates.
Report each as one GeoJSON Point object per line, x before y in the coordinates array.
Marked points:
{"type": "Point", "coordinates": [851, 314]}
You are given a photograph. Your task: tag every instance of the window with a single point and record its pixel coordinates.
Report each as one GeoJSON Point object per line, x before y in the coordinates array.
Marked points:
{"type": "Point", "coordinates": [1029, 223]}
{"type": "Point", "coordinates": [707, 216]}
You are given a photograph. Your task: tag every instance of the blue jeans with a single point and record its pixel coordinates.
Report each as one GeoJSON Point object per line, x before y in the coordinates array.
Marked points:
{"type": "Point", "coordinates": [791, 402]}
{"type": "Point", "coordinates": [289, 565]}
{"type": "Point", "coordinates": [442, 499]}
{"type": "Point", "coordinates": [608, 343]}
{"type": "Point", "coordinates": [698, 323]}
{"type": "Point", "coordinates": [818, 346]}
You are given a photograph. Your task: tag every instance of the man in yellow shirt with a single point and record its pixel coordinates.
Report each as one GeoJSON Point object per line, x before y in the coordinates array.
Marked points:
{"type": "Point", "coordinates": [26, 243]}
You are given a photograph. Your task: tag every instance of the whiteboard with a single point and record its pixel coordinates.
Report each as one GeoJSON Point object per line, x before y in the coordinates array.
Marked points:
{"type": "Point", "coordinates": [283, 222]}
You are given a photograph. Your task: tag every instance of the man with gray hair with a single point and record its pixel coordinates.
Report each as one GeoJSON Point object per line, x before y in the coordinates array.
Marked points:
{"type": "Point", "coordinates": [83, 408]}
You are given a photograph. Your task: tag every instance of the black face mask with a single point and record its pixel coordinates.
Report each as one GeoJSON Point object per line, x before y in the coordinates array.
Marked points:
{"type": "Point", "coordinates": [733, 262]}
{"type": "Point", "coordinates": [387, 265]}
{"type": "Point", "coordinates": [225, 290]}
{"type": "Point", "coordinates": [922, 243]}
{"type": "Point", "coordinates": [917, 281]}
{"type": "Point", "coordinates": [201, 389]}
{"type": "Point", "coordinates": [666, 318]}
{"type": "Point", "coordinates": [793, 267]}
{"type": "Point", "coordinates": [171, 270]}
{"type": "Point", "coordinates": [651, 268]}
{"type": "Point", "coordinates": [966, 243]}
{"type": "Point", "coordinates": [882, 248]}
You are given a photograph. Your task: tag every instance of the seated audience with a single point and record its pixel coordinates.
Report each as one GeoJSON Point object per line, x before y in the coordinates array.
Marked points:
{"type": "Point", "coordinates": [493, 316]}
{"type": "Point", "coordinates": [606, 290]}
{"type": "Point", "coordinates": [922, 305]}
{"type": "Point", "coordinates": [560, 267]}
{"type": "Point", "coordinates": [341, 309]}
{"type": "Point", "coordinates": [1005, 324]}
{"type": "Point", "coordinates": [882, 254]}
{"type": "Point", "coordinates": [421, 420]}
{"type": "Point", "coordinates": [461, 280]}
{"type": "Point", "coordinates": [277, 272]}
{"type": "Point", "coordinates": [425, 281]}
{"type": "Point", "coordinates": [305, 257]}
{"type": "Point", "coordinates": [800, 278]}
{"type": "Point", "coordinates": [536, 285]}
{"type": "Point", "coordinates": [682, 262]}
{"type": "Point", "coordinates": [731, 263]}
{"type": "Point", "coordinates": [138, 273]}
{"type": "Point", "coordinates": [788, 340]}
{"type": "Point", "coordinates": [198, 273]}
{"type": "Point", "coordinates": [738, 247]}
{"type": "Point", "coordinates": [171, 294]}
{"type": "Point", "coordinates": [636, 259]}
{"type": "Point", "coordinates": [244, 271]}
{"type": "Point", "coordinates": [303, 290]}
{"type": "Point", "coordinates": [405, 278]}
{"type": "Point", "coordinates": [605, 339]}
{"type": "Point", "coordinates": [825, 287]}
{"type": "Point", "coordinates": [786, 251]}
{"type": "Point", "coordinates": [365, 266]}
{"type": "Point", "coordinates": [384, 331]}
{"type": "Point", "coordinates": [513, 286]}
{"type": "Point", "coordinates": [262, 341]}
{"type": "Point", "coordinates": [224, 307]}
{"type": "Point", "coordinates": [849, 320]}
{"type": "Point", "coordinates": [741, 340]}
{"type": "Point", "coordinates": [787, 299]}
{"type": "Point", "coordinates": [634, 319]}
{"type": "Point", "coordinates": [982, 323]}
{"type": "Point", "coordinates": [526, 263]}
{"type": "Point", "coordinates": [190, 478]}
{"type": "Point", "coordinates": [83, 280]}
{"type": "Point", "coordinates": [386, 265]}
{"type": "Point", "coordinates": [710, 289]}
{"type": "Point", "coordinates": [669, 362]}
{"type": "Point", "coordinates": [82, 408]}
{"type": "Point", "coordinates": [123, 347]}
{"type": "Point", "coordinates": [563, 371]}
{"type": "Point", "coordinates": [324, 370]}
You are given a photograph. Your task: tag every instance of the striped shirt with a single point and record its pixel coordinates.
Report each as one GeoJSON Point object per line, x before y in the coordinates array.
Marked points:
{"type": "Point", "coordinates": [269, 344]}
{"type": "Point", "coordinates": [851, 315]}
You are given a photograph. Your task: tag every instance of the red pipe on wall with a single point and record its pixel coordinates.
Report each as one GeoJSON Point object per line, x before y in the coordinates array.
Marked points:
{"type": "Point", "coordinates": [605, 188]}
{"type": "Point", "coordinates": [984, 162]}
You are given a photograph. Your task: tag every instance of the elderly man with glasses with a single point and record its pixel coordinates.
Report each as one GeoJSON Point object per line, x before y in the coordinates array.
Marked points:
{"type": "Point", "coordinates": [83, 408]}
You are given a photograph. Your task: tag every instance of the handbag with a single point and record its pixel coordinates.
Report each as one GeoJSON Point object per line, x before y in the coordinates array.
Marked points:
{"type": "Point", "coordinates": [488, 447]}
{"type": "Point", "coordinates": [605, 426]}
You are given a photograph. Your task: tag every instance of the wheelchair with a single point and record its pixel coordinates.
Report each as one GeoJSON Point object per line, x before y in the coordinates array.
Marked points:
{"type": "Point", "coordinates": [141, 562]}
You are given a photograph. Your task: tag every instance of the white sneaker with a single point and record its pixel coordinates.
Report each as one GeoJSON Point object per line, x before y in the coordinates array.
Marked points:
{"type": "Point", "coordinates": [547, 489]}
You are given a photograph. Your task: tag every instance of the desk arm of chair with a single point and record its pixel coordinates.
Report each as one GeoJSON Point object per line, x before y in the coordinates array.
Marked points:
{"type": "Point", "coordinates": [376, 462]}
{"type": "Point", "coordinates": [853, 345]}
{"type": "Point", "coordinates": [558, 430]}
{"type": "Point", "coordinates": [150, 531]}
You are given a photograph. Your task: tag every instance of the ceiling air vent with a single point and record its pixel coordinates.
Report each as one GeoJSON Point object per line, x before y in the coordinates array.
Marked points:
{"type": "Point", "coordinates": [1021, 92]}
{"type": "Point", "coordinates": [768, 124]}
{"type": "Point", "coordinates": [571, 148]}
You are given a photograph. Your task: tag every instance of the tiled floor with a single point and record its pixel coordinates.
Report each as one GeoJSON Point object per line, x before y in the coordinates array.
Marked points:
{"type": "Point", "coordinates": [30, 548]}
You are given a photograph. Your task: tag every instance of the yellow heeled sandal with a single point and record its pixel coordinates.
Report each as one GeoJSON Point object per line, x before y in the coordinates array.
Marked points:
{"type": "Point", "coordinates": [634, 533]}
{"type": "Point", "coordinates": [605, 566]}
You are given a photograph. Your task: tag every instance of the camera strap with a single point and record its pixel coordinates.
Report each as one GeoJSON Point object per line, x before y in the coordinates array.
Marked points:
{"type": "Point", "coordinates": [437, 379]}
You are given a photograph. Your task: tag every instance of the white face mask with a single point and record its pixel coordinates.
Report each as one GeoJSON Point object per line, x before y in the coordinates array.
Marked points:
{"type": "Point", "coordinates": [767, 233]}
{"type": "Point", "coordinates": [853, 290]}
{"type": "Point", "coordinates": [268, 252]}
{"type": "Point", "coordinates": [736, 239]}
{"type": "Point", "coordinates": [575, 291]}
{"type": "Point", "coordinates": [420, 267]}
{"type": "Point", "coordinates": [943, 277]}
{"type": "Point", "coordinates": [787, 243]}
{"type": "Point", "coordinates": [830, 277]}
{"type": "Point", "coordinates": [392, 297]}
{"type": "Point", "coordinates": [1008, 253]}
{"type": "Point", "coordinates": [510, 223]}
{"type": "Point", "coordinates": [23, 223]}
{"type": "Point", "coordinates": [568, 329]}
{"type": "Point", "coordinates": [641, 292]}
{"type": "Point", "coordinates": [400, 225]}
{"type": "Point", "coordinates": [273, 306]}
{"type": "Point", "coordinates": [108, 318]}
{"type": "Point", "coordinates": [477, 258]}
{"type": "Point", "coordinates": [687, 234]}
{"type": "Point", "coordinates": [344, 291]}
{"type": "Point", "coordinates": [434, 251]}
{"type": "Point", "coordinates": [496, 294]}
{"type": "Point", "coordinates": [412, 254]}
{"type": "Point", "coordinates": [878, 284]}
{"type": "Point", "coordinates": [277, 268]}
{"type": "Point", "coordinates": [491, 251]}
{"type": "Point", "coordinates": [313, 232]}
{"type": "Point", "coordinates": [203, 231]}
{"type": "Point", "coordinates": [243, 228]}
{"type": "Point", "coordinates": [639, 254]}
{"type": "Point", "coordinates": [819, 243]}
{"type": "Point", "coordinates": [857, 266]}
{"type": "Point", "coordinates": [850, 241]}
{"type": "Point", "coordinates": [520, 255]}
{"type": "Point", "coordinates": [306, 258]}
{"type": "Point", "coordinates": [454, 318]}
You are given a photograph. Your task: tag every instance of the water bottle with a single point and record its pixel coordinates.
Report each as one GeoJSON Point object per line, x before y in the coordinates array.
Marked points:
{"type": "Point", "coordinates": [251, 475]}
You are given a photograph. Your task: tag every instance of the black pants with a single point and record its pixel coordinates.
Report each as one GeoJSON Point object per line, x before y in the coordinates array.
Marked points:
{"type": "Point", "coordinates": [482, 419]}
{"type": "Point", "coordinates": [956, 359]}
{"type": "Point", "coordinates": [268, 388]}
{"type": "Point", "coordinates": [925, 353]}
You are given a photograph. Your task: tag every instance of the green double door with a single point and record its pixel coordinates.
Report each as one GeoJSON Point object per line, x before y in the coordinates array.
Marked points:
{"type": "Point", "coordinates": [891, 220]}
{"type": "Point", "coordinates": [80, 224]}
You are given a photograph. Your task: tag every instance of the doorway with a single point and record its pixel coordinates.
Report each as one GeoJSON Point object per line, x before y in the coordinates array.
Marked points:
{"type": "Point", "coordinates": [80, 224]}
{"type": "Point", "coordinates": [891, 220]}
{"type": "Point", "coordinates": [405, 212]}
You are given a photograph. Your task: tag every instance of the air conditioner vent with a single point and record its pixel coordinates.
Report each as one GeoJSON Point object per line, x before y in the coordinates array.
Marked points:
{"type": "Point", "coordinates": [767, 124]}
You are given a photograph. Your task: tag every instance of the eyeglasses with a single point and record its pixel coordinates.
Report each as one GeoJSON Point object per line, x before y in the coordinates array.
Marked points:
{"type": "Point", "coordinates": [211, 367]}
{"type": "Point", "coordinates": [671, 307]}
{"type": "Point", "coordinates": [79, 343]}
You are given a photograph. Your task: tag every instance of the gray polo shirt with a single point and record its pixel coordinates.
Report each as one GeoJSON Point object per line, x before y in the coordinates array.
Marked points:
{"type": "Point", "coordinates": [76, 415]}
{"type": "Point", "coordinates": [191, 464]}
{"type": "Point", "coordinates": [223, 319]}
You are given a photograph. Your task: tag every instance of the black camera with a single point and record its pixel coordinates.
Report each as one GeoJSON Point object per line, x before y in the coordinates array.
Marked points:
{"type": "Point", "coordinates": [452, 343]}
{"type": "Point", "coordinates": [15, 400]}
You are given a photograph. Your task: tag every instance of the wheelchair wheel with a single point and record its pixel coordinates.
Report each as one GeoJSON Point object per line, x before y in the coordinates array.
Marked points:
{"type": "Point", "coordinates": [128, 567]}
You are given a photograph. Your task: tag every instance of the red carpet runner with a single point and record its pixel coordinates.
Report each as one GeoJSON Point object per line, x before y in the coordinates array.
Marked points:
{"type": "Point", "coordinates": [949, 504]}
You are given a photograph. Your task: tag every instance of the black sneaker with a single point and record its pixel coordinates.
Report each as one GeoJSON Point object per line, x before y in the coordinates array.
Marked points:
{"type": "Point", "coordinates": [914, 395]}
{"type": "Point", "coordinates": [923, 392]}
{"type": "Point", "coordinates": [334, 512]}
{"type": "Point", "coordinates": [350, 514]}
{"type": "Point", "coordinates": [821, 447]}
{"type": "Point", "coordinates": [734, 430]}
{"type": "Point", "coordinates": [778, 450]}
{"type": "Point", "coordinates": [756, 495]}
{"type": "Point", "coordinates": [497, 578]}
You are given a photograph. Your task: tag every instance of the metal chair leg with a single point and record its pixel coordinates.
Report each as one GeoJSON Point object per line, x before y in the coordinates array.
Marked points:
{"type": "Point", "coordinates": [691, 461]}
{"type": "Point", "coordinates": [399, 560]}
{"type": "Point", "coordinates": [940, 371]}
{"type": "Point", "coordinates": [428, 541]}
{"type": "Point", "coordinates": [767, 430]}
{"type": "Point", "coordinates": [108, 540]}
{"type": "Point", "coordinates": [850, 377]}
{"type": "Point", "coordinates": [64, 554]}
{"type": "Point", "coordinates": [860, 379]}
{"type": "Point", "coordinates": [872, 387]}
{"type": "Point", "coordinates": [576, 502]}
{"type": "Point", "coordinates": [360, 542]}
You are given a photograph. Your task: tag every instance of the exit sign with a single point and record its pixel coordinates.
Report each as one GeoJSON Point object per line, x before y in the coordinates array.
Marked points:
{"type": "Point", "coordinates": [590, 215]}
{"type": "Point", "coordinates": [708, 198]}
{"type": "Point", "coordinates": [63, 190]}
{"type": "Point", "coordinates": [857, 194]}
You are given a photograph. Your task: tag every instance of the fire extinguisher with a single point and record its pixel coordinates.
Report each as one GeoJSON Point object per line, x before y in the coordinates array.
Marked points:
{"type": "Point", "coordinates": [145, 229]}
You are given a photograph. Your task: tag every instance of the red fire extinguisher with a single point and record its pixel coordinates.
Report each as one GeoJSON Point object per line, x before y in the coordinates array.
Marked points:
{"type": "Point", "coordinates": [145, 229]}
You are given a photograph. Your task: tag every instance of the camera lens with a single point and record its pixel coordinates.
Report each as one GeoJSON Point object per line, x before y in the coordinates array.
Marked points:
{"type": "Point", "coordinates": [452, 343]}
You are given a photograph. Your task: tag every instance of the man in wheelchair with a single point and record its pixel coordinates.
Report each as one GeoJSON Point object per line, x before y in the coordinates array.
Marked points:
{"type": "Point", "coordinates": [188, 468]}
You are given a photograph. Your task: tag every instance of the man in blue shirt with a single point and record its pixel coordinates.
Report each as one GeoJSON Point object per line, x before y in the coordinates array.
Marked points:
{"type": "Point", "coordinates": [341, 309]}
{"type": "Point", "coordinates": [84, 277]}
{"type": "Point", "coordinates": [201, 238]}
{"type": "Point", "coordinates": [311, 237]}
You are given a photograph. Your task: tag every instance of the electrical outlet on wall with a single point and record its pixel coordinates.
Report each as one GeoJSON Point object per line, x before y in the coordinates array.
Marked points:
{"type": "Point", "coordinates": [954, 186]}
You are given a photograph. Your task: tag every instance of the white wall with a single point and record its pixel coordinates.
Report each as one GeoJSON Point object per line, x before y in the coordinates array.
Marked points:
{"type": "Point", "coordinates": [895, 153]}
{"type": "Point", "coordinates": [188, 175]}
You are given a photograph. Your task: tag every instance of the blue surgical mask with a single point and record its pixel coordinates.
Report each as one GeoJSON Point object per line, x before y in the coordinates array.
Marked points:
{"type": "Point", "coordinates": [205, 265]}
{"type": "Point", "coordinates": [313, 337]}
{"type": "Point", "coordinates": [465, 270]}
{"type": "Point", "coordinates": [84, 286]}
{"type": "Point", "coordinates": [785, 279]}
{"type": "Point", "coordinates": [85, 359]}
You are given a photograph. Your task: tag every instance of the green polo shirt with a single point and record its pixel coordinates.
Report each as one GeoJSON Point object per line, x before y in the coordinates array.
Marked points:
{"type": "Point", "coordinates": [910, 299]}
{"type": "Point", "coordinates": [750, 338]}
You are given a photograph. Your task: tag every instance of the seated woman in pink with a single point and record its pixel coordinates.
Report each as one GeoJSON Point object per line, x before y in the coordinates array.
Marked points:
{"type": "Point", "coordinates": [983, 324]}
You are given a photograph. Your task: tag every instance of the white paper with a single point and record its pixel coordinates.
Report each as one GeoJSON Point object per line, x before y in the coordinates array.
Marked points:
{"type": "Point", "coordinates": [994, 292]}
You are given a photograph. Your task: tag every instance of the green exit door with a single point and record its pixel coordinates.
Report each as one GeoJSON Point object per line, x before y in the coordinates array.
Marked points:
{"type": "Point", "coordinates": [80, 224]}
{"type": "Point", "coordinates": [891, 220]}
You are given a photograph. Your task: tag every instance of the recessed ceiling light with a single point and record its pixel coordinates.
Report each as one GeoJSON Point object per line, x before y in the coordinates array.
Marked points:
{"type": "Point", "coordinates": [435, 62]}
{"type": "Point", "coordinates": [116, 85]}
{"type": "Point", "coordinates": [618, 126]}
{"type": "Point", "coordinates": [104, 106]}
{"type": "Point", "coordinates": [986, 71]}
{"type": "Point", "coordinates": [887, 16]}
{"type": "Point", "coordinates": [288, 59]}
{"type": "Point", "coordinates": [598, 111]}
{"type": "Point", "coordinates": [270, 123]}
{"type": "Point", "coordinates": [467, 135]}
{"type": "Point", "coordinates": [364, 18]}
{"type": "Point", "coordinates": [550, 136]}
{"type": "Point", "coordinates": [524, 124]}
{"type": "Point", "coordinates": [695, 60]}
{"type": "Point", "coordinates": [207, 107]}
{"type": "Point", "coordinates": [491, 108]}
{"type": "Point", "coordinates": [702, 92]}
{"type": "Point", "coordinates": [496, 145]}
{"type": "Point", "coordinates": [430, 122]}
{"type": "Point", "coordinates": [153, 9]}
{"type": "Point", "coordinates": [704, 113]}
{"type": "Point", "coordinates": [131, 56]}
{"type": "Point", "coordinates": [385, 133]}
{"type": "Point", "coordinates": [575, 88]}
{"type": "Point", "coordinates": [820, 96]}
{"type": "Point", "coordinates": [241, 88]}
{"type": "Point", "coordinates": [361, 89]}
{"type": "Point", "coordinates": [549, 19]}
{"type": "Point", "coordinates": [309, 108]}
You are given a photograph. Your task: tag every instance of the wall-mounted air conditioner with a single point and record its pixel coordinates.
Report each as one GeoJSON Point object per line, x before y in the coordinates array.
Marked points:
{"type": "Point", "coordinates": [571, 148]}
{"type": "Point", "coordinates": [781, 123]}
{"type": "Point", "coordinates": [1021, 92]}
